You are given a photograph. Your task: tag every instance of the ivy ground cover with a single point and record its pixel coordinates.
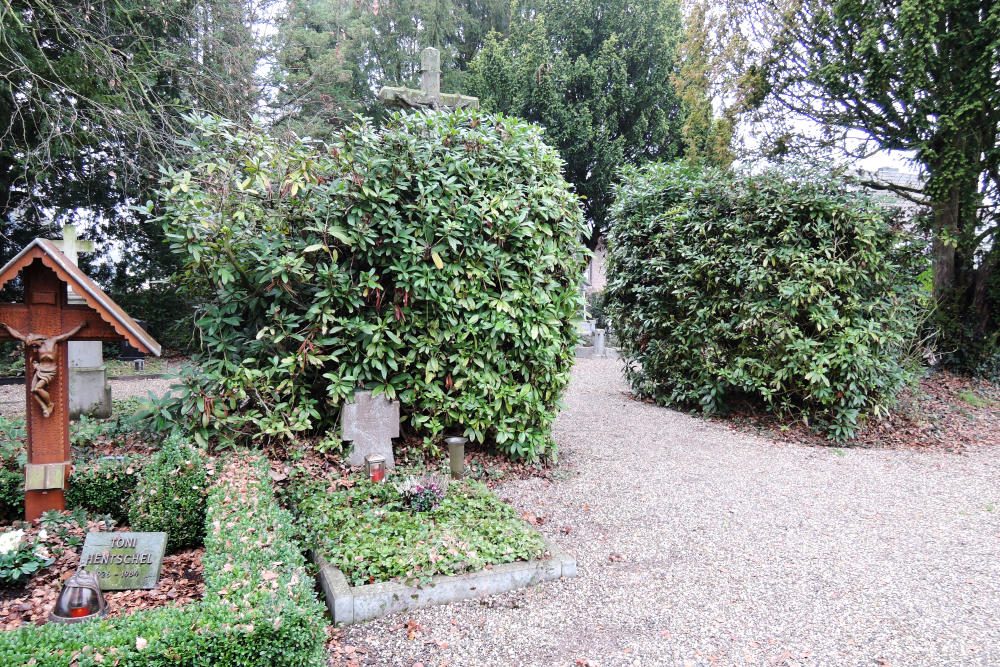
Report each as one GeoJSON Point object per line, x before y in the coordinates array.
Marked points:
{"type": "Point", "coordinates": [383, 531]}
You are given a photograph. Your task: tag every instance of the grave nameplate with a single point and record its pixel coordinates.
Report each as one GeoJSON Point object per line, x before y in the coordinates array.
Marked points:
{"type": "Point", "coordinates": [123, 561]}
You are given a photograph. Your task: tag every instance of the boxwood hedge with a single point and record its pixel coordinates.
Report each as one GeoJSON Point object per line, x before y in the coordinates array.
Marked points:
{"type": "Point", "coordinates": [436, 260]}
{"type": "Point", "coordinates": [259, 606]}
{"type": "Point", "coordinates": [792, 289]}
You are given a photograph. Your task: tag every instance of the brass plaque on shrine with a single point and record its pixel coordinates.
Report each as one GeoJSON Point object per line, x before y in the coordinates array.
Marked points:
{"type": "Point", "coordinates": [124, 560]}
{"type": "Point", "coordinates": [44, 476]}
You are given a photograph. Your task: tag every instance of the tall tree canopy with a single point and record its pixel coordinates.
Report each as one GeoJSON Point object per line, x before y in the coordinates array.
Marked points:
{"type": "Point", "coordinates": [597, 76]}
{"type": "Point", "coordinates": [334, 55]}
{"type": "Point", "coordinates": [90, 100]}
{"type": "Point", "coordinates": [904, 75]}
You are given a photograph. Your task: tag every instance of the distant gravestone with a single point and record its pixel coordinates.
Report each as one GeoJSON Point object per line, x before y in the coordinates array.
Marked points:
{"type": "Point", "coordinates": [371, 422]}
{"type": "Point", "coordinates": [123, 561]}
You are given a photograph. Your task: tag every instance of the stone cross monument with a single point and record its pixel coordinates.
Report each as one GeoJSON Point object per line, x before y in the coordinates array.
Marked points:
{"type": "Point", "coordinates": [429, 96]}
{"type": "Point", "coordinates": [89, 390]}
{"type": "Point", "coordinates": [371, 422]}
{"type": "Point", "coordinates": [43, 324]}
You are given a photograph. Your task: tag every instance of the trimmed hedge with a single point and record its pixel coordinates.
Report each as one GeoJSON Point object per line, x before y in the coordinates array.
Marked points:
{"type": "Point", "coordinates": [436, 260]}
{"type": "Point", "coordinates": [259, 606]}
{"type": "Point", "coordinates": [105, 486]}
{"type": "Point", "coordinates": [792, 289]}
{"type": "Point", "coordinates": [170, 496]}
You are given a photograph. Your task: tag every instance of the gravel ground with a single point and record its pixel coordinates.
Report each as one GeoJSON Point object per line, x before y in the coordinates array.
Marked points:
{"type": "Point", "coordinates": [699, 545]}
{"type": "Point", "coordinates": [12, 395]}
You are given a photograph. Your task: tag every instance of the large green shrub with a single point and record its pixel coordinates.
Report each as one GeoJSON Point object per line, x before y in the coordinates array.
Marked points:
{"type": "Point", "coordinates": [436, 260]}
{"type": "Point", "coordinates": [259, 606]}
{"type": "Point", "coordinates": [792, 289]}
{"type": "Point", "coordinates": [170, 497]}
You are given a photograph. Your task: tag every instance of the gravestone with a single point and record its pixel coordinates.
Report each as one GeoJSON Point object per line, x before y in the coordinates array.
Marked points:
{"type": "Point", "coordinates": [124, 561]}
{"type": "Point", "coordinates": [44, 323]}
{"type": "Point", "coordinates": [370, 422]}
{"type": "Point", "coordinates": [429, 96]}
{"type": "Point", "coordinates": [89, 390]}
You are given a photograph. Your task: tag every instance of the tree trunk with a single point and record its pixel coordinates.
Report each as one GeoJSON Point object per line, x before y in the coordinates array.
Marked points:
{"type": "Point", "coordinates": [945, 237]}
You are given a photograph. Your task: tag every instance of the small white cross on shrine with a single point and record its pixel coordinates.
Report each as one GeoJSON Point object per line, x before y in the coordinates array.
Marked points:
{"type": "Point", "coordinates": [429, 95]}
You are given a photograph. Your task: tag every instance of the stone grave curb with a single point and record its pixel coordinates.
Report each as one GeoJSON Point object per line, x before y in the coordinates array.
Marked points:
{"type": "Point", "coordinates": [354, 604]}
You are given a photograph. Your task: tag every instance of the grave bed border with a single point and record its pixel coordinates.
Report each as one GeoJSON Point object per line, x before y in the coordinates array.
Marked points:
{"type": "Point", "coordinates": [355, 604]}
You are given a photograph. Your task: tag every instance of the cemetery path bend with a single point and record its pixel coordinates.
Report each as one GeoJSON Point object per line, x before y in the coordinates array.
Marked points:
{"type": "Point", "coordinates": [698, 545]}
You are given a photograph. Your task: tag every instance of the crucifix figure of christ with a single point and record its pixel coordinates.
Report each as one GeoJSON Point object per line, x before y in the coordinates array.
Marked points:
{"type": "Point", "coordinates": [429, 96]}
{"type": "Point", "coordinates": [44, 323]}
{"type": "Point", "coordinates": [45, 362]}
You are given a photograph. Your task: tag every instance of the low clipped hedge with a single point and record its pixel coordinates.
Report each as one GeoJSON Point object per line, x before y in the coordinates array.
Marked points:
{"type": "Point", "coordinates": [792, 289]}
{"type": "Point", "coordinates": [170, 496]}
{"type": "Point", "coordinates": [105, 486]}
{"type": "Point", "coordinates": [259, 606]}
{"type": "Point", "coordinates": [436, 260]}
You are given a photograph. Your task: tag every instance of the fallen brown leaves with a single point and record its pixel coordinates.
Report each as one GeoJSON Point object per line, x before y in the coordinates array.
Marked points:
{"type": "Point", "coordinates": [944, 412]}
{"type": "Point", "coordinates": [180, 583]}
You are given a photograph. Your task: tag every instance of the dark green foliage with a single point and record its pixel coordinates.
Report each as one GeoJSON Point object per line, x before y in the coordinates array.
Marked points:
{"type": "Point", "coordinates": [259, 607]}
{"type": "Point", "coordinates": [598, 78]}
{"type": "Point", "coordinates": [372, 532]}
{"type": "Point", "coordinates": [90, 101]}
{"type": "Point", "coordinates": [791, 289]}
{"type": "Point", "coordinates": [11, 495]}
{"type": "Point", "coordinates": [105, 487]}
{"type": "Point", "coordinates": [333, 55]}
{"type": "Point", "coordinates": [170, 496]}
{"type": "Point", "coordinates": [436, 260]}
{"type": "Point", "coordinates": [918, 78]}
{"type": "Point", "coordinates": [167, 312]}
{"type": "Point", "coordinates": [12, 459]}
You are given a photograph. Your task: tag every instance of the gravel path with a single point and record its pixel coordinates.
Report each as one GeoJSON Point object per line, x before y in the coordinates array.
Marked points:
{"type": "Point", "coordinates": [698, 545]}
{"type": "Point", "coordinates": [12, 395]}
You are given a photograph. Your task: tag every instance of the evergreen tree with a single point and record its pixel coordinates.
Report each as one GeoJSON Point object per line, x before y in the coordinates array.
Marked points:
{"type": "Point", "coordinates": [334, 55]}
{"type": "Point", "coordinates": [902, 75]}
{"type": "Point", "coordinates": [597, 76]}
{"type": "Point", "coordinates": [91, 97]}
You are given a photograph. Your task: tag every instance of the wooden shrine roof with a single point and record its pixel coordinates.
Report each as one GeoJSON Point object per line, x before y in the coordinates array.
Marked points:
{"type": "Point", "coordinates": [109, 311]}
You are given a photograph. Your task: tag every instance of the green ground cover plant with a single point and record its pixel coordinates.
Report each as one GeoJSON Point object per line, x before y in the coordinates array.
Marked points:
{"type": "Point", "coordinates": [376, 532]}
{"type": "Point", "coordinates": [794, 290]}
{"type": "Point", "coordinates": [436, 260]}
{"type": "Point", "coordinates": [259, 606]}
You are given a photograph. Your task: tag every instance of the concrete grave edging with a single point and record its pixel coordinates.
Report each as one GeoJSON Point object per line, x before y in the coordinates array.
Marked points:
{"type": "Point", "coordinates": [354, 604]}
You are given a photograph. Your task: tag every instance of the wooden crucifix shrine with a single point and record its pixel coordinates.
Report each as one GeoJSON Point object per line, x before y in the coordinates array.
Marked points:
{"type": "Point", "coordinates": [44, 323]}
{"type": "Point", "coordinates": [429, 96]}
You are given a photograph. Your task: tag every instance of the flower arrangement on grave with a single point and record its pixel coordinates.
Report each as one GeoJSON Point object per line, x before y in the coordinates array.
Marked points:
{"type": "Point", "coordinates": [422, 494]}
{"type": "Point", "coordinates": [20, 558]}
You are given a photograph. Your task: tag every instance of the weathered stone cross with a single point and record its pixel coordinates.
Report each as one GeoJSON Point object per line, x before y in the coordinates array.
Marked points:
{"type": "Point", "coordinates": [429, 96]}
{"type": "Point", "coordinates": [372, 423]}
{"type": "Point", "coordinates": [71, 245]}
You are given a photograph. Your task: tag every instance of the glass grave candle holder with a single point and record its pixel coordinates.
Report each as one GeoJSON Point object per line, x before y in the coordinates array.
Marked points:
{"type": "Point", "coordinates": [80, 600]}
{"type": "Point", "coordinates": [375, 465]}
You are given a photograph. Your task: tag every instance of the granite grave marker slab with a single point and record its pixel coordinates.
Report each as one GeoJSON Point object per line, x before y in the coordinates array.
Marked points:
{"type": "Point", "coordinates": [124, 561]}
{"type": "Point", "coordinates": [371, 422]}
